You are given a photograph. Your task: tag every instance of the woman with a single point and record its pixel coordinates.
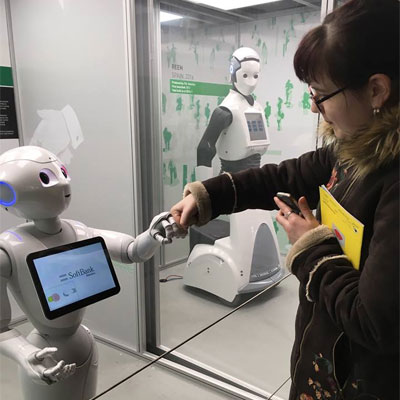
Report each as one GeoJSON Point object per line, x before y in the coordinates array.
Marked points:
{"type": "Point", "coordinates": [347, 324]}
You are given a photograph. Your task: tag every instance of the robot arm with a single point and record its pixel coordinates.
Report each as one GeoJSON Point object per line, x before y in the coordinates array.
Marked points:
{"type": "Point", "coordinates": [220, 119]}
{"type": "Point", "coordinates": [126, 249]}
{"type": "Point", "coordinates": [38, 363]}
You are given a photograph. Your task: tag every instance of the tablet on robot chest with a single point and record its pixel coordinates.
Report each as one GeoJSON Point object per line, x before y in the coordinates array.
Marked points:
{"type": "Point", "coordinates": [72, 276]}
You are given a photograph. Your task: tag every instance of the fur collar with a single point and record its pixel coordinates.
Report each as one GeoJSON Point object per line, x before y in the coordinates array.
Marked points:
{"type": "Point", "coordinates": [370, 148]}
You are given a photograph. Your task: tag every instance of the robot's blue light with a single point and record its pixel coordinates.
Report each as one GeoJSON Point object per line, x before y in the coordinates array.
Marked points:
{"type": "Point", "coordinates": [8, 203]}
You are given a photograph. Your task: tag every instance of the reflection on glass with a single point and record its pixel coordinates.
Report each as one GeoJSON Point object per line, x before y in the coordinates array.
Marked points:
{"type": "Point", "coordinates": [252, 345]}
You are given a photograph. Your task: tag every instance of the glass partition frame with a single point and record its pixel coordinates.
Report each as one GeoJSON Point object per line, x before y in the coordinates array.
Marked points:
{"type": "Point", "coordinates": [150, 109]}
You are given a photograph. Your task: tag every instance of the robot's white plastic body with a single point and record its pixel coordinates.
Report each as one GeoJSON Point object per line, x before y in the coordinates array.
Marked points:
{"type": "Point", "coordinates": [248, 260]}
{"type": "Point", "coordinates": [235, 142]}
{"type": "Point", "coordinates": [244, 262]}
{"type": "Point", "coordinates": [36, 186]}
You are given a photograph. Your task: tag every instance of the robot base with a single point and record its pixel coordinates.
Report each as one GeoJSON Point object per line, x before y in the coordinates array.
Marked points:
{"type": "Point", "coordinates": [237, 264]}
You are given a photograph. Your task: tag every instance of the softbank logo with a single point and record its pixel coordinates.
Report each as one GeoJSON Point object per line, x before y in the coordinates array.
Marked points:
{"type": "Point", "coordinates": [80, 272]}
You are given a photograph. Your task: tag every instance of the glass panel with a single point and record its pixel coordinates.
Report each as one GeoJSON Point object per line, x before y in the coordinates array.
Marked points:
{"type": "Point", "coordinates": [195, 54]}
{"type": "Point", "coordinates": [252, 345]}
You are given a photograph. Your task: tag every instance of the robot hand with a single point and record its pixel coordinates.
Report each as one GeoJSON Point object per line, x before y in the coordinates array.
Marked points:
{"type": "Point", "coordinates": [43, 368]}
{"type": "Point", "coordinates": [163, 228]}
{"type": "Point", "coordinates": [39, 364]}
{"type": "Point", "coordinates": [161, 231]}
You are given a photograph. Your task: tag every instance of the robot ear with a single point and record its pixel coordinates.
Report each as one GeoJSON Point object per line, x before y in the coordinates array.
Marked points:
{"type": "Point", "coordinates": [234, 66]}
{"type": "Point", "coordinates": [7, 194]}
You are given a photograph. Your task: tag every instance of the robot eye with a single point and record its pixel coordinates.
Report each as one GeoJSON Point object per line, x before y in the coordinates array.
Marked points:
{"type": "Point", "coordinates": [256, 76]}
{"type": "Point", "coordinates": [64, 171]}
{"type": "Point", "coordinates": [44, 178]}
{"type": "Point", "coordinates": [47, 177]}
{"type": "Point", "coordinates": [244, 75]}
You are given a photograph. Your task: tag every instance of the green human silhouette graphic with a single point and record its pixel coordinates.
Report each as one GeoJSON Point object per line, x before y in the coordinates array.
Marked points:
{"type": "Point", "coordinates": [179, 104]}
{"type": "Point", "coordinates": [259, 41]}
{"type": "Point", "coordinates": [164, 103]}
{"type": "Point", "coordinates": [193, 47]}
{"type": "Point", "coordinates": [271, 22]}
{"type": "Point", "coordinates": [221, 35]}
{"type": "Point", "coordinates": [264, 53]}
{"type": "Point", "coordinates": [197, 114]}
{"type": "Point", "coordinates": [173, 176]}
{"type": "Point", "coordinates": [193, 175]}
{"type": "Point", "coordinates": [292, 31]}
{"type": "Point", "coordinates": [305, 104]}
{"type": "Point", "coordinates": [287, 40]}
{"type": "Point", "coordinates": [171, 55]}
{"type": "Point", "coordinates": [255, 32]}
{"type": "Point", "coordinates": [191, 105]}
{"type": "Point", "coordinates": [212, 58]}
{"type": "Point", "coordinates": [167, 136]}
{"type": "Point", "coordinates": [184, 175]}
{"type": "Point", "coordinates": [288, 93]}
{"type": "Point", "coordinates": [267, 112]}
{"type": "Point", "coordinates": [207, 112]}
{"type": "Point", "coordinates": [280, 114]}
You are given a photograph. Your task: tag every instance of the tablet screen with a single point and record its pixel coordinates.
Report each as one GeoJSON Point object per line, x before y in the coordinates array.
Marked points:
{"type": "Point", "coordinates": [72, 276]}
{"type": "Point", "coordinates": [256, 127]}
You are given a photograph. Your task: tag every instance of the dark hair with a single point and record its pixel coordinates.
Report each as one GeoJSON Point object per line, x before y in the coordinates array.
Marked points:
{"type": "Point", "coordinates": [355, 41]}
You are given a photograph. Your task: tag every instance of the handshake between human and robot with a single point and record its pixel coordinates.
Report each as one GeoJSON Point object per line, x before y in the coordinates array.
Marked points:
{"type": "Point", "coordinates": [58, 359]}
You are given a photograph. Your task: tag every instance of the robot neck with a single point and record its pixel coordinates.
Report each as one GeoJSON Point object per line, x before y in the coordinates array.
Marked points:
{"type": "Point", "coordinates": [50, 226]}
{"type": "Point", "coordinates": [249, 98]}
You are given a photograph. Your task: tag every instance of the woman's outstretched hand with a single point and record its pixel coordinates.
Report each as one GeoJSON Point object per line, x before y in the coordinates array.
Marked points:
{"type": "Point", "coordinates": [296, 225]}
{"type": "Point", "coordinates": [185, 212]}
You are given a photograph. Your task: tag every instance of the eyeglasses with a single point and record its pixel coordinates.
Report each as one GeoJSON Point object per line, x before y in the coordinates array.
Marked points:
{"type": "Point", "coordinates": [317, 102]}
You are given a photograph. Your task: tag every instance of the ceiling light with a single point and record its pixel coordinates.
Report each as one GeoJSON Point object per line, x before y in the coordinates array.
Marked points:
{"type": "Point", "coordinates": [231, 4]}
{"type": "Point", "coordinates": [166, 16]}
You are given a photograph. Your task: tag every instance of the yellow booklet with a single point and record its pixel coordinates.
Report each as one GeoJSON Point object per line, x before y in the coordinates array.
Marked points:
{"type": "Point", "coordinates": [347, 229]}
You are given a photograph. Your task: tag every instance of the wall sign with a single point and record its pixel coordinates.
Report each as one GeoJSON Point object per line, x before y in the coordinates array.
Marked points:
{"type": "Point", "coordinates": [8, 116]}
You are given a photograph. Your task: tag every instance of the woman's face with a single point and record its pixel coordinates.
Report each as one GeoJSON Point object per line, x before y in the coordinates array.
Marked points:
{"type": "Point", "coordinates": [345, 111]}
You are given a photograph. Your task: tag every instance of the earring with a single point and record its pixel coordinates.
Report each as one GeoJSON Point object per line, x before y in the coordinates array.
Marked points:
{"type": "Point", "coordinates": [376, 111]}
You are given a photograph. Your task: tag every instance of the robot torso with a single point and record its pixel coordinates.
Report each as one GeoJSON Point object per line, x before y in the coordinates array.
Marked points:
{"type": "Point", "coordinates": [19, 242]}
{"type": "Point", "coordinates": [247, 134]}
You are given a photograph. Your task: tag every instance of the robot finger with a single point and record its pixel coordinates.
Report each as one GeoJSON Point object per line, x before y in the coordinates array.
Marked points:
{"type": "Point", "coordinates": [179, 232]}
{"type": "Point", "coordinates": [159, 237]}
{"type": "Point", "coordinates": [68, 370]}
{"type": "Point", "coordinates": [45, 353]}
{"type": "Point", "coordinates": [169, 232]}
{"type": "Point", "coordinates": [167, 240]}
{"type": "Point", "coordinates": [53, 373]}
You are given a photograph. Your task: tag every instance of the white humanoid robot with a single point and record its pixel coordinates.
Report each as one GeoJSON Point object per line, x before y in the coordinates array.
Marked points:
{"type": "Point", "coordinates": [248, 259]}
{"type": "Point", "coordinates": [54, 267]}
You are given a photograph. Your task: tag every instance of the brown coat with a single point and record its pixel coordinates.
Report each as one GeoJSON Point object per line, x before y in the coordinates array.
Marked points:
{"type": "Point", "coordinates": [347, 325]}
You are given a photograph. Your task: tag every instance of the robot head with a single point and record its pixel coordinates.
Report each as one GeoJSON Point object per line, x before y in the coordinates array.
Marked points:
{"type": "Point", "coordinates": [33, 183]}
{"type": "Point", "coordinates": [245, 69]}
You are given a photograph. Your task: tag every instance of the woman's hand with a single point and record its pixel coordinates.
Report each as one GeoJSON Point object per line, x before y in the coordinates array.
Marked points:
{"type": "Point", "coordinates": [295, 225]}
{"type": "Point", "coordinates": [185, 212]}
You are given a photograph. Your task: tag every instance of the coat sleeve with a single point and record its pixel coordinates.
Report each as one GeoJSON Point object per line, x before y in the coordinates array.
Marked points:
{"type": "Point", "coordinates": [256, 187]}
{"type": "Point", "coordinates": [365, 303]}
